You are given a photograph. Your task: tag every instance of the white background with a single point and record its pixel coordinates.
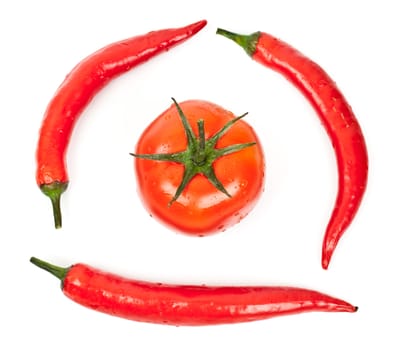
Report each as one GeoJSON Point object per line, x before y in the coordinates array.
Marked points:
{"type": "Point", "coordinates": [278, 243]}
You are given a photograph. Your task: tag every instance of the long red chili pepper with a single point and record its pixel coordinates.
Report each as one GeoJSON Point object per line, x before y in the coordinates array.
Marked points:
{"type": "Point", "coordinates": [78, 89]}
{"type": "Point", "coordinates": [184, 304]}
{"type": "Point", "coordinates": [336, 116]}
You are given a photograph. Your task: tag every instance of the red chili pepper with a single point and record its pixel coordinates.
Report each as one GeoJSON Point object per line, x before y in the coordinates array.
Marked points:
{"type": "Point", "coordinates": [336, 116]}
{"type": "Point", "coordinates": [185, 304]}
{"type": "Point", "coordinates": [78, 89]}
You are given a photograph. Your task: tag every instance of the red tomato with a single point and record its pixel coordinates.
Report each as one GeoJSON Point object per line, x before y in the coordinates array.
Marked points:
{"type": "Point", "coordinates": [200, 208]}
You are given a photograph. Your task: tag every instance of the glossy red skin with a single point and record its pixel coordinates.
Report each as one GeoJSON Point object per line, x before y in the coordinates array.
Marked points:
{"type": "Point", "coordinates": [201, 209]}
{"type": "Point", "coordinates": [340, 123]}
{"type": "Point", "coordinates": [186, 305]}
{"type": "Point", "coordinates": [82, 84]}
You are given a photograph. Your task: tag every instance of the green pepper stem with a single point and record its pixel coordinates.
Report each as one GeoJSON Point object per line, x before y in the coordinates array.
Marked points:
{"type": "Point", "coordinates": [59, 272]}
{"type": "Point", "coordinates": [53, 191]}
{"type": "Point", "coordinates": [247, 42]}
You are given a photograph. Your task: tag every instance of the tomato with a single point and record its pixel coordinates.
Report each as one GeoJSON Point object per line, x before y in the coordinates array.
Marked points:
{"type": "Point", "coordinates": [199, 168]}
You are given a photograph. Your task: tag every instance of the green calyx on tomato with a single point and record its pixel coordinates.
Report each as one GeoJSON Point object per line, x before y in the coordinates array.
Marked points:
{"type": "Point", "coordinates": [200, 154]}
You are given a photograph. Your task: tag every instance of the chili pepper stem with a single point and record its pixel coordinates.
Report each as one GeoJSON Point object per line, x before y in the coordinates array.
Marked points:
{"type": "Point", "coordinates": [247, 42]}
{"type": "Point", "coordinates": [54, 191]}
{"type": "Point", "coordinates": [59, 272]}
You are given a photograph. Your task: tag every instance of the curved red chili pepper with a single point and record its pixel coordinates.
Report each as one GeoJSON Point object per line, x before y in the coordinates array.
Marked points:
{"type": "Point", "coordinates": [336, 116]}
{"type": "Point", "coordinates": [78, 89]}
{"type": "Point", "coordinates": [185, 305]}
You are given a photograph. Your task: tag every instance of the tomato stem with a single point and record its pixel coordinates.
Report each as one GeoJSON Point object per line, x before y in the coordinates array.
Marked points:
{"type": "Point", "coordinates": [247, 42]}
{"type": "Point", "coordinates": [54, 191]}
{"type": "Point", "coordinates": [200, 154]}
